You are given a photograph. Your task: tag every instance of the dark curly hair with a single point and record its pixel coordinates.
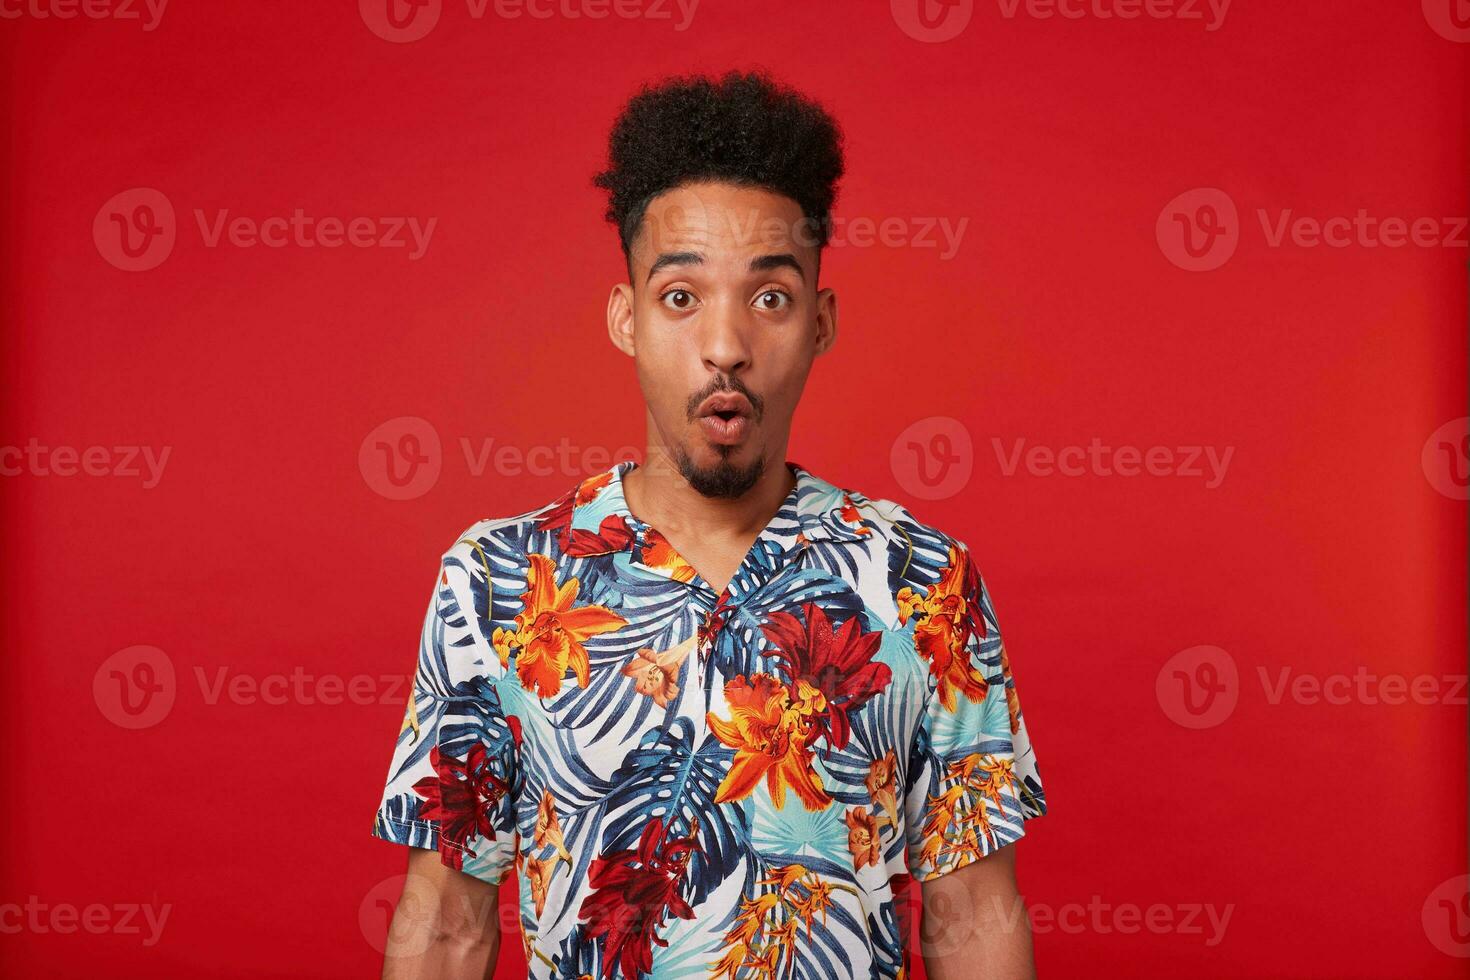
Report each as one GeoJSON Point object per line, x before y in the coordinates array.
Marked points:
{"type": "Point", "coordinates": [743, 128]}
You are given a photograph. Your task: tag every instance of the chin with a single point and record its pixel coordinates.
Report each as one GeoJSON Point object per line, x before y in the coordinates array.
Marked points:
{"type": "Point", "coordinates": [721, 471]}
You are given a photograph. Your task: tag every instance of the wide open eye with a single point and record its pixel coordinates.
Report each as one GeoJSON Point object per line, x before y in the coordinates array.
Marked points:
{"type": "Point", "coordinates": [678, 299]}
{"type": "Point", "coordinates": [773, 300]}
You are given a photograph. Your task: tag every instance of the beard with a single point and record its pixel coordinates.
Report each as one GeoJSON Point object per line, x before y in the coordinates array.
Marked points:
{"type": "Point", "coordinates": [725, 479]}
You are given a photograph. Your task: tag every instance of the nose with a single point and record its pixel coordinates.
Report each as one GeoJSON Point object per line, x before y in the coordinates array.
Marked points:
{"type": "Point", "coordinates": [724, 337]}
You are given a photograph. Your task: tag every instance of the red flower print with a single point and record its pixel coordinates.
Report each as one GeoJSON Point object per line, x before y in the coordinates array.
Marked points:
{"type": "Point", "coordinates": [613, 535]}
{"type": "Point", "coordinates": [463, 798]}
{"type": "Point", "coordinates": [633, 893]}
{"type": "Point", "coordinates": [838, 664]}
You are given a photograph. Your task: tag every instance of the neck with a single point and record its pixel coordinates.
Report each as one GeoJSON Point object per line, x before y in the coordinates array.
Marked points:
{"type": "Point", "coordinates": [658, 494]}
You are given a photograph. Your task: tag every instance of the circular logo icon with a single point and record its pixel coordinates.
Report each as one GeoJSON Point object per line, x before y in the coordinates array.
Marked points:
{"type": "Point", "coordinates": [135, 687]}
{"type": "Point", "coordinates": [933, 458]}
{"type": "Point", "coordinates": [400, 21]}
{"type": "Point", "coordinates": [1198, 230]}
{"type": "Point", "coordinates": [1446, 917]}
{"type": "Point", "coordinates": [412, 929]}
{"type": "Point", "coordinates": [1449, 18]}
{"type": "Point", "coordinates": [135, 230]}
{"type": "Point", "coordinates": [401, 458]}
{"type": "Point", "coordinates": [1446, 459]}
{"type": "Point", "coordinates": [950, 919]}
{"type": "Point", "coordinates": [1198, 687]}
{"type": "Point", "coordinates": [932, 21]}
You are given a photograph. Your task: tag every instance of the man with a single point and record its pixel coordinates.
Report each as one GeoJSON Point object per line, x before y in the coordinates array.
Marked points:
{"type": "Point", "coordinates": [713, 712]}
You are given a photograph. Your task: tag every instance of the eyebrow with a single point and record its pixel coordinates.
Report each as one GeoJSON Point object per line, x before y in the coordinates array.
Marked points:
{"type": "Point", "coordinates": [762, 263]}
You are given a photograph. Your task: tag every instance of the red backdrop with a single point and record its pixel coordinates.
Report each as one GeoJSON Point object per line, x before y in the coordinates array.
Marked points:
{"type": "Point", "coordinates": [1165, 313]}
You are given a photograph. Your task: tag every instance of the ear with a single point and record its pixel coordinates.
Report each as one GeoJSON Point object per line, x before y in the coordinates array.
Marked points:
{"type": "Point", "coordinates": [620, 318]}
{"type": "Point", "coordinates": [826, 319]}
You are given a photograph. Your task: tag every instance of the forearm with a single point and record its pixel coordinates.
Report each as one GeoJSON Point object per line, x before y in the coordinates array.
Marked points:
{"type": "Point", "coordinates": [975, 923]}
{"type": "Point", "coordinates": [445, 925]}
{"type": "Point", "coordinates": [442, 957]}
{"type": "Point", "coordinates": [994, 944]}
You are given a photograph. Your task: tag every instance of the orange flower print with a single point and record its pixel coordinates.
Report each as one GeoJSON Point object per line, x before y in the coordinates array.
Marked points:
{"type": "Point", "coordinates": [850, 515]}
{"type": "Point", "coordinates": [654, 672]}
{"type": "Point", "coordinates": [770, 729]}
{"type": "Point", "coordinates": [882, 783]}
{"type": "Point", "coordinates": [785, 876]}
{"type": "Point", "coordinates": [550, 631]}
{"type": "Point", "coordinates": [945, 618]}
{"type": "Point", "coordinates": [548, 829]}
{"type": "Point", "coordinates": [957, 819]}
{"type": "Point", "coordinates": [765, 927]}
{"type": "Point", "coordinates": [539, 874]}
{"type": "Point", "coordinates": [658, 553]}
{"type": "Point", "coordinates": [1013, 703]}
{"type": "Point", "coordinates": [862, 837]}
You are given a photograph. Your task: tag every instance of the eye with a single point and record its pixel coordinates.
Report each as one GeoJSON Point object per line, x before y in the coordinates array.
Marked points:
{"type": "Point", "coordinates": [773, 299]}
{"type": "Point", "coordinates": [678, 299]}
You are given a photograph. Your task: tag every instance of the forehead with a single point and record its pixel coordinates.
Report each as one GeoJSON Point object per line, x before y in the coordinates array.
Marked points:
{"type": "Point", "coordinates": [723, 222]}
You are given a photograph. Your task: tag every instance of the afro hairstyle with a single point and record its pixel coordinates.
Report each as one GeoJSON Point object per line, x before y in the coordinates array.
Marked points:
{"type": "Point", "coordinates": [742, 128]}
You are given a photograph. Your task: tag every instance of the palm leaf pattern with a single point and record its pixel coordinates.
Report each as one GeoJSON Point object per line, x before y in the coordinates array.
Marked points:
{"type": "Point", "coordinates": [691, 782]}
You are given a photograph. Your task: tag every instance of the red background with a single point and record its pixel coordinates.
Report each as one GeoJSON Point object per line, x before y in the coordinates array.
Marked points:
{"type": "Point", "coordinates": [265, 550]}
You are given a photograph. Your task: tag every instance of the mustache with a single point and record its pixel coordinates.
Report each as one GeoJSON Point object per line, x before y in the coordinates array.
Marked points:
{"type": "Point", "coordinates": [722, 383]}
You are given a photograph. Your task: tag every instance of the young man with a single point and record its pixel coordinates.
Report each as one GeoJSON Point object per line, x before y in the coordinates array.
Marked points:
{"type": "Point", "coordinates": [712, 711]}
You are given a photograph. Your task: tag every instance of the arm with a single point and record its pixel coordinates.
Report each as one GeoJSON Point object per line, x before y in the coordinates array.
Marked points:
{"type": "Point", "coordinates": [446, 924]}
{"type": "Point", "coordinates": [975, 922]}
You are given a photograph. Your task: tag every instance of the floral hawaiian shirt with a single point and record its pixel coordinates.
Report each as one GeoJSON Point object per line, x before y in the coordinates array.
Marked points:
{"type": "Point", "coordinates": [692, 783]}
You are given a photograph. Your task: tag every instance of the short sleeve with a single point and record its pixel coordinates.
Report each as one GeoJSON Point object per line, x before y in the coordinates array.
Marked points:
{"type": "Point", "coordinates": [454, 759]}
{"type": "Point", "coordinates": [973, 780]}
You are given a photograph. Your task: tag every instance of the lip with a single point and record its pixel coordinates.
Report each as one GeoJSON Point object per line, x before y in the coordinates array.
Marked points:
{"type": "Point", "coordinates": [725, 403]}
{"type": "Point", "coordinates": [725, 432]}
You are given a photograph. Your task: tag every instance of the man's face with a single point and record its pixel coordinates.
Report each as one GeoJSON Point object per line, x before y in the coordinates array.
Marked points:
{"type": "Point", "coordinates": [723, 318]}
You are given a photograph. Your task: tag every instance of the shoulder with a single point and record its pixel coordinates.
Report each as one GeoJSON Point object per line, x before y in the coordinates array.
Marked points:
{"type": "Point", "coordinates": [893, 524]}
{"type": "Point", "coordinates": [508, 535]}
